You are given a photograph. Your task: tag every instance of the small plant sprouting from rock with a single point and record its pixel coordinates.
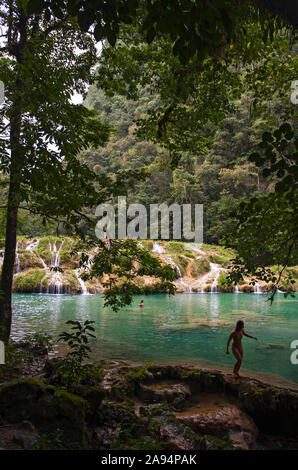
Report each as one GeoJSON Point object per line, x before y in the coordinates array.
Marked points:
{"type": "Point", "coordinates": [51, 441]}
{"type": "Point", "coordinates": [219, 443]}
{"type": "Point", "coordinates": [78, 341]}
{"type": "Point", "coordinates": [39, 341]}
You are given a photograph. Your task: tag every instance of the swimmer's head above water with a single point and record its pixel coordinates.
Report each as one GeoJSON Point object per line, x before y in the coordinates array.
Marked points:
{"type": "Point", "coordinates": [239, 325]}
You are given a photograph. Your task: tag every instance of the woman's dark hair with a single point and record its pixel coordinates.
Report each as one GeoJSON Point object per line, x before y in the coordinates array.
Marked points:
{"type": "Point", "coordinates": [239, 325]}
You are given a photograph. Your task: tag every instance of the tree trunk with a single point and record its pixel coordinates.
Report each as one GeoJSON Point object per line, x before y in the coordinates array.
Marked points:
{"type": "Point", "coordinates": [9, 258]}
{"type": "Point", "coordinates": [16, 163]}
{"type": "Point", "coordinates": [11, 217]}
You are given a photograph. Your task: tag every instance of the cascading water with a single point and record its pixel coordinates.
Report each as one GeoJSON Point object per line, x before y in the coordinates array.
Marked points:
{"type": "Point", "coordinates": [18, 263]}
{"type": "Point", "coordinates": [193, 247]}
{"type": "Point", "coordinates": [78, 271]}
{"type": "Point", "coordinates": [257, 288]}
{"type": "Point", "coordinates": [55, 285]}
{"type": "Point", "coordinates": [55, 254]}
{"type": "Point", "coordinates": [215, 269]}
{"type": "Point", "coordinates": [179, 281]}
{"type": "Point", "coordinates": [53, 281]}
{"type": "Point", "coordinates": [81, 282]}
{"type": "Point", "coordinates": [32, 245]}
{"type": "Point", "coordinates": [200, 284]}
{"type": "Point", "coordinates": [157, 248]}
{"type": "Point", "coordinates": [43, 263]}
{"type": "Point", "coordinates": [214, 273]}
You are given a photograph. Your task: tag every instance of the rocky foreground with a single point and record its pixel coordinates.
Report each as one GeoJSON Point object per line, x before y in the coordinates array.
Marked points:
{"type": "Point", "coordinates": [117, 405]}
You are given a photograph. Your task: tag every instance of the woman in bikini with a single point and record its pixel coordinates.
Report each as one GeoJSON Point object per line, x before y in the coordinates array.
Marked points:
{"type": "Point", "coordinates": [237, 350]}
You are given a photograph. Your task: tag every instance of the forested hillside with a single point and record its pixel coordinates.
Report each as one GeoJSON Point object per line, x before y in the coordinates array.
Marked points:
{"type": "Point", "coordinates": [220, 178]}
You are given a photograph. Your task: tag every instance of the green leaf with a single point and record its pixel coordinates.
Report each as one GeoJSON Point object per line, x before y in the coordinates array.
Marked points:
{"type": "Point", "coordinates": [85, 20]}
{"type": "Point", "coordinates": [267, 137]}
{"type": "Point", "coordinates": [289, 135]}
{"type": "Point", "coordinates": [253, 157]}
{"type": "Point", "coordinates": [285, 128]}
{"type": "Point", "coordinates": [266, 172]}
{"type": "Point", "coordinates": [151, 33]}
{"type": "Point", "coordinates": [178, 46]}
{"type": "Point", "coordinates": [277, 134]}
{"type": "Point", "coordinates": [35, 6]}
{"type": "Point", "coordinates": [111, 37]}
{"type": "Point", "coordinates": [57, 11]}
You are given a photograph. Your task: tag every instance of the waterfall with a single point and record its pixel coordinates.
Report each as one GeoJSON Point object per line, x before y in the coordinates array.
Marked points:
{"type": "Point", "coordinates": [157, 248]}
{"type": "Point", "coordinates": [78, 271]}
{"type": "Point", "coordinates": [18, 264]}
{"type": "Point", "coordinates": [177, 269]}
{"type": "Point", "coordinates": [30, 248]}
{"type": "Point", "coordinates": [55, 254]}
{"type": "Point", "coordinates": [201, 283]}
{"type": "Point", "coordinates": [236, 290]}
{"type": "Point", "coordinates": [174, 266]}
{"type": "Point", "coordinates": [193, 247]}
{"type": "Point", "coordinates": [180, 281]}
{"type": "Point", "coordinates": [82, 283]}
{"type": "Point", "coordinates": [32, 245]}
{"type": "Point", "coordinates": [89, 262]}
{"type": "Point", "coordinates": [257, 288]}
{"type": "Point", "coordinates": [55, 284]}
{"type": "Point", "coordinates": [43, 263]}
{"type": "Point", "coordinates": [215, 269]}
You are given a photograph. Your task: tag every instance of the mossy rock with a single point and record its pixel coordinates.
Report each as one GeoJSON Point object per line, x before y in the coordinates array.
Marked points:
{"type": "Point", "coordinates": [48, 408]}
{"type": "Point", "coordinates": [70, 282]}
{"type": "Point", "coordinates": [199, 267]}
{"type": "Point", "coordinates": [148, 243]}
{"type": "Point", "coordinates": [118, 412]}
{"type": "Point", "coordinates": [29, 259]}
{"type": "Point", "coordinates": [163, 426]}
{"type": "Point", "coordinates": [138, 374]}
{"type": "Point", "coordinates": [182, 262]}
{"type": "Point", "coordinates": [272, 409]}
{"type": "Point", "coordinates": [175, 247]}
{"type": "Point", "coordinates": [52, 365]}
{"type": "Point", "coordinates": [93, 394]}
{"type": "Point", "coordinates": [223, 260]}
{"type": "Point", "coordinates": [29, 280]}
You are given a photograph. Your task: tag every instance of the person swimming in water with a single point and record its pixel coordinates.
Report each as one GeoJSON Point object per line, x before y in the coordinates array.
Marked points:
{"type": "Point", "coordinates": [141, 304]}
{"type": "Point", "coordinates": [237, 349]}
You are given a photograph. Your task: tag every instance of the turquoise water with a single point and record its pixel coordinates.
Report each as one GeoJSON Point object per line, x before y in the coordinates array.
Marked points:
{"type": "Point", "coordinates": [186, 327]}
